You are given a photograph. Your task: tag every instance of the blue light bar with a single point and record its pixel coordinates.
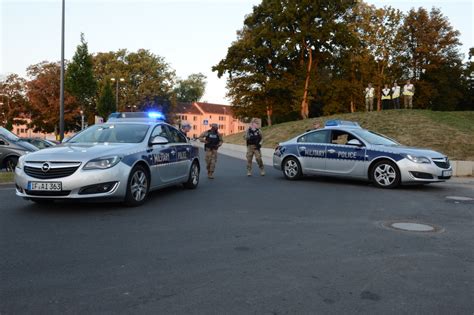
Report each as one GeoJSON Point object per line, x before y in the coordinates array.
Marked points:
{"type": "Point", "coordinates": [345, 123]}
{"type": "Point", "coordinates": [155, 115]}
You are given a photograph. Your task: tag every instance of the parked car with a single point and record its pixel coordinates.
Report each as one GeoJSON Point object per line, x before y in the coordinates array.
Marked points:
{"type": "Point", "coordinates": [11, 148]}
{"type": "Point", "coordinates": [39, 143]}
{"type": "Point", "coordinates": [122, 160]}
{"type": "Point", "coordinates": [344, 149]}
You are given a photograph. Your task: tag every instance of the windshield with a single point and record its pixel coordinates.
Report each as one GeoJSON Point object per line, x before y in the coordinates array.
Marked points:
{"type": "Point", "coordinates": [374, 138]}
{"type": "Point", "coordinates": [112, 133]}
{"type": "Point", "coordinates": [8, 134]}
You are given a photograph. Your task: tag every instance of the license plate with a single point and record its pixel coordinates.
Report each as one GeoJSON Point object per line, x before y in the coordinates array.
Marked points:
{"type": "Point", "coordinates": [447, 173]}
{"type": "Point", "coordinates": [45, 186]}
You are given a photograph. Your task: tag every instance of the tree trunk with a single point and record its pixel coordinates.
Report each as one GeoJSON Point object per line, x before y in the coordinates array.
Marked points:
{"type": "Point", "coordinates": [304, 103]}
{"type": "Point", "coordinates": [269, 115]}
{"type": "Point", "coordinates": [379, 93]}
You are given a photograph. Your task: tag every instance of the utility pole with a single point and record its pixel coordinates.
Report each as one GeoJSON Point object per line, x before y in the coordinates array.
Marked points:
{"type": "Point", "coordinates": [61, 93]}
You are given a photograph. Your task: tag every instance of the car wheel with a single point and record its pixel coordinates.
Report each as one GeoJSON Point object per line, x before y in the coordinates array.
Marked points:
{"type": "Point", "coordinates": [193, 179]}
{"type": "Point", "coordinates": [292, 168]}
{"type": "Point", "coordinates": [137, 187]}
{"type": "Point", "coordinates": [10, 163]}
{"type": "Point", "coordinates": [385, 174]}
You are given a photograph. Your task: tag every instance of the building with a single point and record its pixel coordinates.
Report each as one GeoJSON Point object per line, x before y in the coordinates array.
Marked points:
{"type": "Point", "coordinates": [202, 115]}
{"type": "Point", "coordinates": [23, 131]}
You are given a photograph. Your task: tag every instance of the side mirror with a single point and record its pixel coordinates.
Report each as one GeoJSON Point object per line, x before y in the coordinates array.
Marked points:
{"type": "Point", "coordinates": [2, 142]}
{"type": "Point", "coordinates": [158, 140]}
{"type": "Point", "coordinates": [355, 142]}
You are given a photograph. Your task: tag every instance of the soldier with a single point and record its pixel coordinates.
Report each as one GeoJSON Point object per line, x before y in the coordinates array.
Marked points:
{"type": "Point", "coordinates": [408, 92]}
{"type": "Point", "coordinates": [369, 98]}
{"type": "Point", "coordinates": [212, 141]}
{"type": "Point", "coordinates": [386, 97]}
{"type": "Point", "coordinates": [396, 96]}
{"type": "Point", "coordinates": [254, 139]}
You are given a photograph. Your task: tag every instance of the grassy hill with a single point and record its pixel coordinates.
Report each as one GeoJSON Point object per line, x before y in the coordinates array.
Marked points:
{"type": "Point", "coordinates": [449, 132]}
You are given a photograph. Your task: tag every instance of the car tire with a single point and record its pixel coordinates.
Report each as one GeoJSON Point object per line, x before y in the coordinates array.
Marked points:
{"type": "Point", "coordinates": [193, 179]}
{"type": "Point", "coordinates": [10, 163]}
{"type": "Point", "coordinates": [385, 174]}
{"type": "Point", "coordinates": [138, 186]}
{"type": "Point", "coordinates": [292, 168]}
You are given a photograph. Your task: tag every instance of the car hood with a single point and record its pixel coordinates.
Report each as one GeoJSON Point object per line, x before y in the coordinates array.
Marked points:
{"type": "Point", "coordinates": [74, 152]}
{"type": "Point", "coordinates": [409, 150]}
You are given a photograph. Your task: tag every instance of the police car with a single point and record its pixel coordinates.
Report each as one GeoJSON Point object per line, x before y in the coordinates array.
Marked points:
{"type": "Point", "coordinates": [344, 149]}
{"type": "Point", "coordinates": [122, 159]}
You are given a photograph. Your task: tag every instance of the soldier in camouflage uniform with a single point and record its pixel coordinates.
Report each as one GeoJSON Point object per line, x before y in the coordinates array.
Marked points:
{"type": "Point", "coordinates": [254, 138]}
{"type": "Point", "coordinates": [212, 141]}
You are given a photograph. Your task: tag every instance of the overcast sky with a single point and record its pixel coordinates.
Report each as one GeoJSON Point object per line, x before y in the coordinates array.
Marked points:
{"type": "Point", "coordinates": [192, 35]}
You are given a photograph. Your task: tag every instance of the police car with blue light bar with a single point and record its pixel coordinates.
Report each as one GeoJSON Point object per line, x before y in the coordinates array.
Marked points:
{"type": "Point", "coordinates": [344, 149]}
{"type": "Point", "coordinates": [123, 159]}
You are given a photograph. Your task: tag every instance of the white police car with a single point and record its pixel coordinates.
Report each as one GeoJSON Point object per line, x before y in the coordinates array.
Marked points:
{"type": "Point", "coordinates": [344, 149]}
{"type": "Point", "coordinates": [122, 159]}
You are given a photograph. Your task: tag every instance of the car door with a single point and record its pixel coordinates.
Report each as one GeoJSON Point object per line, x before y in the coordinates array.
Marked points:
{"type": "Point", "coordinates": [343, 159]}
{"type": "Point", "coordinates": [312, 151]}
{"type": "Point", "coordinates": [183, 154]}
{"type": "Point", "coordinates": [161, 158]}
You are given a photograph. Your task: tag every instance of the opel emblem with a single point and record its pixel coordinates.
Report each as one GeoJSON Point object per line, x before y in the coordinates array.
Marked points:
{"type": "Point", "coordinates": [45, 167]}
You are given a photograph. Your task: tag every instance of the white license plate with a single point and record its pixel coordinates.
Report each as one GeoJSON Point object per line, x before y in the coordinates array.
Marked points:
{"type": "Point", "coordinates": [447, 173]}
{"type": "Point", "coordinates": [45, 186]}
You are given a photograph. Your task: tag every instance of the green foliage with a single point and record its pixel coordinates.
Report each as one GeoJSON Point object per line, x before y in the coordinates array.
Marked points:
{"type": "Point", "coordinates": [191, 89]}
{"type": "Point", "coordinates": [80, 81]}
{"type": "Point", "coordinates": [106, 102]}
{"type": "Point", "coordinates": [147, 80]}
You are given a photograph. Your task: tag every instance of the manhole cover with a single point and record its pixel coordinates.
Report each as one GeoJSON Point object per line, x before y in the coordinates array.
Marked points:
{"type": "Point", "coordinates": [459, 198]}
{"type": "Point", "coordinates": [412, 226]}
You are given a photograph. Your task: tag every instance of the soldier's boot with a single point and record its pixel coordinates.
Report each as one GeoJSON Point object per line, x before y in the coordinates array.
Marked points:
{"type": "Point", "coordinates": [262, 172]}
{"type": "Point", "coordinates": [210, 175]}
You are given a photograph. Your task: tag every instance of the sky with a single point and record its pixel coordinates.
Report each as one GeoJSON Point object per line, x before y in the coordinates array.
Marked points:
{"type": "Point", "coordinates": [191, 35]}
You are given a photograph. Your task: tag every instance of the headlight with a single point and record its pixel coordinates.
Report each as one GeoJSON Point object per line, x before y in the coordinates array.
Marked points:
{"type": "Point", "coordinates": [102, 163]}
{"type": "Point", "coordinates": [21, 162]}
{"type": "Point", "coordinates": [417, 159]}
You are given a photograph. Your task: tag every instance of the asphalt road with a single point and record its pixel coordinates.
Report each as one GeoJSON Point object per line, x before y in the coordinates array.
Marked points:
{"type": "Point", "coordinates": [238, 245]}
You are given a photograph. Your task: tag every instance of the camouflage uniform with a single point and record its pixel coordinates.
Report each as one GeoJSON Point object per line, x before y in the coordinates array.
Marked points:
{"type": "Point", "coordinates": [213, 140]}
{"type": "Point", "coordinates": [254, 139]}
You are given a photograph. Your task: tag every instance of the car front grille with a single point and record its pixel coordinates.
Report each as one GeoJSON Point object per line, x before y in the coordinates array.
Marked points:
{"type": "Point", "coordinates": [442, 163]}
{"type": "Point", "coordinates": [50, 170]}
{"type": "Point", "coordinates": [48, 193]}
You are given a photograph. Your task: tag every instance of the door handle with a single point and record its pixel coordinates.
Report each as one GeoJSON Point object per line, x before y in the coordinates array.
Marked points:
{"type": "Point", "coordinates": [331, 151]}
{"type": "Point", "coordinates": [302, 148]}
{"type": "Point", "coordinates": [173, 152]}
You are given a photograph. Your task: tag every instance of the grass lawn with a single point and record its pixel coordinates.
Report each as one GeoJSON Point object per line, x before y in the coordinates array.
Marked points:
{"type": "Point", "coordinates": [6, 177]}
{"type": "Point", "coordinates": [449, 132]}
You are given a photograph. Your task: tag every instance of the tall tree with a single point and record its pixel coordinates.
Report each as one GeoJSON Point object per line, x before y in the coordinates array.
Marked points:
{"type": "Point", "coordinates": [106, 102]}
{"type": "Point", "coordinates": [80, 81]}
{"type": "Point", "coordinates": [43, 95]}
{"type": "Point", "coordinates": [148, 80]}
{"type": "Point", "coordinates": [191, 89]}
{"type": "Point", "coordinates": [431, 49]}
{"type": "Point", "coordinates": [14, 101]}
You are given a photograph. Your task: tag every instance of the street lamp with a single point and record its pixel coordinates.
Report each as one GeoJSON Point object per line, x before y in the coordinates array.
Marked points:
{"type": "Point", "coordinates": [116, 80]}
{"type": "Point", "coordinates": [82, 119]}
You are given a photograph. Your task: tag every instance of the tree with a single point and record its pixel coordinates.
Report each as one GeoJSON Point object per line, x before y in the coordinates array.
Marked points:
{"type": "Point", "coordinates": [80, 81]}
{"type": "Point", "coordinates": [14, 102]}
{"type": "Point", "coordinates": [106, 102]}
{"type": "Point", "coordinates": [278, 52]}
{"type": "Point", "coordinates": [148, 79]}
{"type": "Point", "coordinates": [191, 89]}
{"type": "Point", "coordinates": [43, 95]}
{"type": "Point", "coordinates": [431, 49]}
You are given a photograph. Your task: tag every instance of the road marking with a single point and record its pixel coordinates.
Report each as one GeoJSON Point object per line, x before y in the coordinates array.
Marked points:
{"type": "Point", "coordinates": [459, 198]}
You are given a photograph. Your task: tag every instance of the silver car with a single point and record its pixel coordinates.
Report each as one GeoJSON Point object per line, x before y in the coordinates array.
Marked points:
{"type": "Point", "coordinates": [344, 149]}
{"type": "Point", "coordinates": [121, 160]}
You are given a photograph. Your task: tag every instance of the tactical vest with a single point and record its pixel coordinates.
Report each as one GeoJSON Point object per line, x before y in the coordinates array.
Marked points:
{"type": "Point", "coordinates": [386, 94]}
{"type": "Point", "coordinates": [396, 92]}
{"type": "Point", "coordinates": [212, 140]}
{"type": "Point", "coordinates": [254, 137]}
{"type": "Point", "coordinates": [408, 89]}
